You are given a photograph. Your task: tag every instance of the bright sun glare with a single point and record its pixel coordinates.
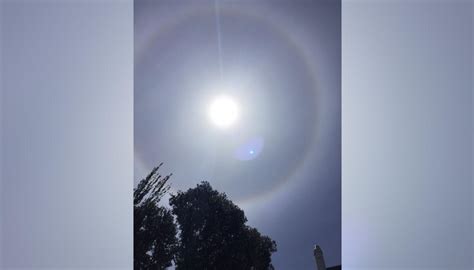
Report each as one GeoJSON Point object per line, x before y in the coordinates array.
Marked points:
{"type": "Point", "coordinates": [223, 111]}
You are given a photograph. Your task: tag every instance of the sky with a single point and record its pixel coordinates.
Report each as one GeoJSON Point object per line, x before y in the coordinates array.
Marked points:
{"type": "Point", "coordinates": [66, 131]}
{"type": "Point", "coordinates": [280, 161]}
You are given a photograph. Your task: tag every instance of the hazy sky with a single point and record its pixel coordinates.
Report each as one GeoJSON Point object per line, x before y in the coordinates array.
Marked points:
{"type": "Point", "coordinates": [280, 161]}
{"type": "Point", "coordinates": [67, 140]}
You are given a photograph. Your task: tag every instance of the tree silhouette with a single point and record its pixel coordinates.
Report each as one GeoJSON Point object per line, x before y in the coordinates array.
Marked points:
{"type": "Point", "coordinates": [154, 228]}
{"type": "Point", "coordinates": [213, 234]}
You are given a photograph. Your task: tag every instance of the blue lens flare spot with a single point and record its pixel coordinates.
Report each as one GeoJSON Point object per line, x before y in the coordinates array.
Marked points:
{"type": "Point", "coordinates": [249, 149]}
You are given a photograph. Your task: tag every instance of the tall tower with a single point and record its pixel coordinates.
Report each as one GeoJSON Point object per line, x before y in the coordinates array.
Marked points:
{"type": "Point", "coordinates": [318, 255]}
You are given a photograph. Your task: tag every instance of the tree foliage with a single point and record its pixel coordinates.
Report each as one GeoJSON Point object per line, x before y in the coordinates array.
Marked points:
{"type": "Point", "coordinates": [152, 188]}
{"type": "Point", "coordinates": [154, 228]}
{"type": "Point", "coordinates": [213, 233]}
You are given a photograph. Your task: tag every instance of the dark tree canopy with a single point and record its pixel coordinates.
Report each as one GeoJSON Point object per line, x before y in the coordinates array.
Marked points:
{"type": "Point", "coordinates": [154, 228]}
{"type": "Point", "coordinates": [214, 234]}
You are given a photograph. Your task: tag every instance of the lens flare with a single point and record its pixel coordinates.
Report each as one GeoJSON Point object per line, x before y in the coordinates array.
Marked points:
{"type": "Point", "coordinates": [250, 149]}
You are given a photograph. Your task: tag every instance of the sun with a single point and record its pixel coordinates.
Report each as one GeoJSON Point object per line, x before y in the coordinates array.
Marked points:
{"type": "Point", "coordinates": [223, 111]}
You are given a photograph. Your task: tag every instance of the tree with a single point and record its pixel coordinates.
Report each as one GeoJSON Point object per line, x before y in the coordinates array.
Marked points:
{"type": "Point", "coordinates": [154, 228]}
{"type": "Point", "coordinates": [214, 234]}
